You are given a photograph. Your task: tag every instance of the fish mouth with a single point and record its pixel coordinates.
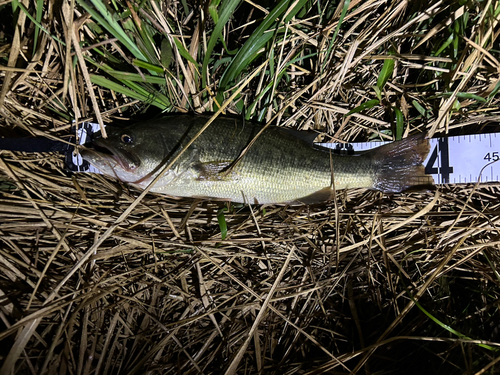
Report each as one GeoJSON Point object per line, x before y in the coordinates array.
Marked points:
{"type": "Point", "coordinates": [109, 154]}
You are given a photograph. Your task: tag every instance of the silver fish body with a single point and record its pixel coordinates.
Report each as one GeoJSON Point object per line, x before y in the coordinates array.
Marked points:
{"type": "Point", "coordinates": [279, 167]}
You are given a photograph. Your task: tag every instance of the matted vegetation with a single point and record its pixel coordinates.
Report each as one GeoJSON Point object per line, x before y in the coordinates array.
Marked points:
{"type": "Point", "coordinates": [99, 278]}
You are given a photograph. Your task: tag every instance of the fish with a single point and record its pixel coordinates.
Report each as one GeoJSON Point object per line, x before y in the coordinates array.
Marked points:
{"type": "Point", "coordinates": [282, 166]}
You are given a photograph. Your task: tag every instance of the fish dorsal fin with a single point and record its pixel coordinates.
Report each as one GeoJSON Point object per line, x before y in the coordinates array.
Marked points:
{"type": "Point", "coordinates": [305, 135]}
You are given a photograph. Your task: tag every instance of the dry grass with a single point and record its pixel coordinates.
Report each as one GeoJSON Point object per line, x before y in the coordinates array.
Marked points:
{"type": "Point", "coordinates": [96, 278]}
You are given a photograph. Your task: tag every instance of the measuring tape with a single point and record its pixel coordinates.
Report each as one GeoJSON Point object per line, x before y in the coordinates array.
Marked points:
{"type": "Point", "coordinates": [75, 161]}
{"type": "Point", "coordinates": [452, 160]}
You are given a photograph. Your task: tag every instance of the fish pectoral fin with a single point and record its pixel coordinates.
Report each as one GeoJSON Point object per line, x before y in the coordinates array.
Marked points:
{"type": "Point", "coordinates": [215, 170]}
{"type": "Point", "coordinates": [319, 196]}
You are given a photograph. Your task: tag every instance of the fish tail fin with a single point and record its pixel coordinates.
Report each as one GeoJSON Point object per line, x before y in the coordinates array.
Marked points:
{"type": "Point", "coordinates": [399, 165]}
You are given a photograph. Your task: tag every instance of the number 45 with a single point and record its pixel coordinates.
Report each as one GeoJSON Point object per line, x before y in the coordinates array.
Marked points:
{"type": "Point", "coordinates": [492, 156]}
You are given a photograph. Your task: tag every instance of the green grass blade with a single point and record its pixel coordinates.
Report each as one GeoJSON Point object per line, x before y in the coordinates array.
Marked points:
{"type": "Point", "coordinates": [134, 77]}
{"type": "Point", "coordinates": [105, 19]}
{"type": "Point", "coordinates": [466, 95]}
{"type": "Point", "coordinates": [425, 113]}
{"type": "Point", "coordinates": [145, 42]}
{"type": "Point", "coordinates": [221, 219]}
{"type": "Point", "coordinates": [258, 39]}
{"type": "Point", "coordinates": [444, 45]}
{"type": "Point", "coordinates": [148, 66]}
{"type": "Point", "coordinates": [39, 14]}
{"type": "Point", "coordinates": [212, 9]}
{"type": "Point", "coordinates": [332, 41]}
{"type": "Point", "coordinates": [149, 92]}
{"type": "Point", "coordinates": [367, 105]}
{"type": "Point", "coordinates": [106, 83]}
{"type": "Point", "coordinates": [228, 7]}
{"type": "Point", "coordinates": [266, 89]}
{"type": "Point", "coordinates": [448, 328]}
{"type": "Point", "coordinates": [400, 123]}
{"type": "Point", "coordinates": [456, 39]}
{"type": "Point", "coordinates": [35, 22]}
{"type": "Point", "coordinates": [385, 73]}
{"type": "Point", "coordinates": [184, 53]}
{"type": "Point", "coordinates": [378, 93]}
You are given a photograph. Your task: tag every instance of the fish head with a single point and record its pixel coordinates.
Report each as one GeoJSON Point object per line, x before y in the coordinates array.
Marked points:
{"type": "Point", "coordinates": [132, 155]}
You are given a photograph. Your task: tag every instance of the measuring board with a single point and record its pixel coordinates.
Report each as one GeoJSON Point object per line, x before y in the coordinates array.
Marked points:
{"type": "Point", "coordinates": [74, 161]}
{"type": "Point", "coordinates": [452, 160]}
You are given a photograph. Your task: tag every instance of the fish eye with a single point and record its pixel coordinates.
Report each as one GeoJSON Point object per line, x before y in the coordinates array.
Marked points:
{"type": "Point", "coordinates": [126, 139]}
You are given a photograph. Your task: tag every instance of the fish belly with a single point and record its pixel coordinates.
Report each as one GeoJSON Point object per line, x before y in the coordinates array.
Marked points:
{"type": "Point", "coordinates": [264, 183]}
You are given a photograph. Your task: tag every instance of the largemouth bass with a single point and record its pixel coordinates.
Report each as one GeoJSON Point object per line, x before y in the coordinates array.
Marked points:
{"type": "Point", "coordinates": [280, 167]}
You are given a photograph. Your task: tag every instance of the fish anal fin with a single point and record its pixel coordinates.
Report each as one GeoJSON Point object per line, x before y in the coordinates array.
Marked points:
{"type": "Point", "coordinates": [319, 196]}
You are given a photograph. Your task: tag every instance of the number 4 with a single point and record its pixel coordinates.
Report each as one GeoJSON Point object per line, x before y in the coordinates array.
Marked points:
{"type": "Point", "coordinates": [443, 167]}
